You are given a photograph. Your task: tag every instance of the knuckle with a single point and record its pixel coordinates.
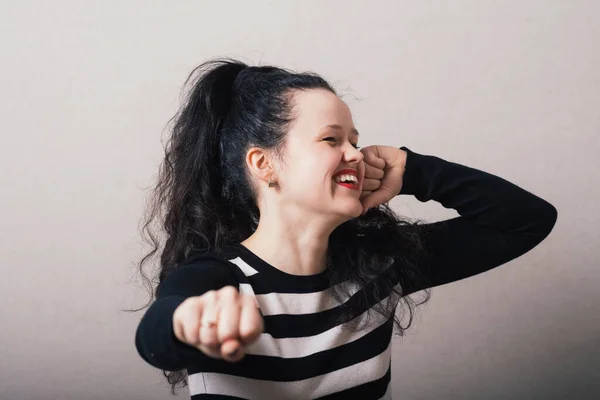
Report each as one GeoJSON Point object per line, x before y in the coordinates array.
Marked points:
{"type": "Point", "coordinates": [253, 329]}
{"type": "Point", "coordinates": [192, 303]}
{"type": "Point", "coordinates": [229, 292]}
{"type": "Point", "coordinates": [210, 296]}
{"type": "Point", "coordinates": [227, 334]}
{"type": "Point", "coordinates": [190, 335]}
{"type": "Point", "coordinates": [250, 332]}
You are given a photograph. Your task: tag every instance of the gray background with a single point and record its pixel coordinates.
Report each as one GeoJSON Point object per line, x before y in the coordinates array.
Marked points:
{"type": "Point", "coordinates": [510, 87]}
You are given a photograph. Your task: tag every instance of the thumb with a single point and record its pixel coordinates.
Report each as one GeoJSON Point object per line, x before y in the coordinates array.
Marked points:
{"type": "Point", "coordinates": [232, 350]}
{"type": "Point", "coordinates": [371, 201]}
{"type": "Point", "coordinates": [380, 196]}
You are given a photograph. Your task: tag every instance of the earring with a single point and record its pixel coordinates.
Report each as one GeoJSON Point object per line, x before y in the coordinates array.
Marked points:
{"type": "Point", "coordinates": [271, 183]}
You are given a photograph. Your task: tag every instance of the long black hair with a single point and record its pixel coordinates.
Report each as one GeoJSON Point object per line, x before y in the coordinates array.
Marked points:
{"type": "Point", "coordinates": [203, 199]}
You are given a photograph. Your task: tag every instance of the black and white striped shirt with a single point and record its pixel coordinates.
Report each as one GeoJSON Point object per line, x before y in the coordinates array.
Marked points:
{"type": "Point", "coordinates": [303, 352]}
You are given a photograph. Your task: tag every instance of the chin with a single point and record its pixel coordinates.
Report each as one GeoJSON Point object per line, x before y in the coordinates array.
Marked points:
{"type": "Point", "coordinates": [357, 214]}
{"type": "Point", "coordinates": [353, 212]}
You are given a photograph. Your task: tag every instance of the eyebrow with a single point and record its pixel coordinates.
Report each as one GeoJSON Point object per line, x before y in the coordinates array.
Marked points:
{"type": "Point", "coordinates": [336, 126]}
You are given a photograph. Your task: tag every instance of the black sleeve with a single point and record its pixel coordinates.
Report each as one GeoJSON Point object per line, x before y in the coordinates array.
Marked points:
{"type": "Point", "coordinates": [498, 220]}
{"type": "Point", "coordinates": [155, 339]}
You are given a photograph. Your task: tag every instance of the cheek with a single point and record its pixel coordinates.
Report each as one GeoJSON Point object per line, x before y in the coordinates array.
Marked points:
{"type": "Point", "coordinates": [311, 174]}
{"type": "Point", "coordinates": [311, 180]}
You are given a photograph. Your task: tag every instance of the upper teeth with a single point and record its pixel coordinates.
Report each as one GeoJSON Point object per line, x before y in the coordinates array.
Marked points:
{"type": "Point", "coordinates": [346, 178]}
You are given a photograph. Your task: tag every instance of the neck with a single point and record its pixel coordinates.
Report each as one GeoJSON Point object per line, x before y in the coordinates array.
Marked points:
{"type": "Point", "coordinates": [292, 242]}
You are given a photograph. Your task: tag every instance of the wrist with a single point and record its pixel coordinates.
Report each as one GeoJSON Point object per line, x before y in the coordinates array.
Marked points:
{"type": "Point", "coordinates": [402, 158]}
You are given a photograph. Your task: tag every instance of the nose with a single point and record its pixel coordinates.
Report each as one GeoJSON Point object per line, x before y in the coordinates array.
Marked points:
{"type": "Point", "coordinates": [353, 155]}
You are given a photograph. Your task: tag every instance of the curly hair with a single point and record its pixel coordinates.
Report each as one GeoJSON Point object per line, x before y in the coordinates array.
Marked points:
{"type": "Point", "coordinates": [203, 198]}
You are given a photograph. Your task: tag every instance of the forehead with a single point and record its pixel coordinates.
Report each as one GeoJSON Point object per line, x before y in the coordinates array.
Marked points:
{"type": "Point", "coordinates": [317, 108]}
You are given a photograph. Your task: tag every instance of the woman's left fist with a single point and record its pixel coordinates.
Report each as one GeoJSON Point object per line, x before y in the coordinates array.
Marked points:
{"type": "Point", "coordinates": [384, 170]}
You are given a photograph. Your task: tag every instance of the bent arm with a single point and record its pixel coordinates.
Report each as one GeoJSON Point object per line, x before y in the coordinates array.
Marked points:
{"type": "Point", "coordinates": [498, 221]}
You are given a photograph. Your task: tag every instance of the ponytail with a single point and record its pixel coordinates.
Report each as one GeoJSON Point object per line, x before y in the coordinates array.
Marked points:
{"type": "Point", "coordinates": [202, 118]}
{"type": "Point", "coordinates": [193, 156]}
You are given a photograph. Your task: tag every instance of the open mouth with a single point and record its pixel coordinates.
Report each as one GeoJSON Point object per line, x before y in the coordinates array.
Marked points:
{"type": "Point", "coordinates": [347, 180]}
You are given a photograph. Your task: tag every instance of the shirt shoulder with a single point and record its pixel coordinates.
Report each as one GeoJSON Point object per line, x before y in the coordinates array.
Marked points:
{"type": "Point", "coordinates": [199, 273]}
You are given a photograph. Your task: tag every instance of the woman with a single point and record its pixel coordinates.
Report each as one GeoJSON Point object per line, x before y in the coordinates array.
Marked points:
{"type": "Point", "coordinates": [283, 265]}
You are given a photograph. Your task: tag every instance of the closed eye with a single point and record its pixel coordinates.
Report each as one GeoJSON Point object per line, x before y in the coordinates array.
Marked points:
{"type": "Point", "coordinates": [334, 139]}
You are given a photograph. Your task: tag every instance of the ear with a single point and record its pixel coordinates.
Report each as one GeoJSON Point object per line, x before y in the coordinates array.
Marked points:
{"type": "Point", "coordinates": [259, 163]}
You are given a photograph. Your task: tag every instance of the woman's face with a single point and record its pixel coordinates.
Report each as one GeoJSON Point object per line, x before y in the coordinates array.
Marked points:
{"type": "Point", "coordinates": [320, 142]}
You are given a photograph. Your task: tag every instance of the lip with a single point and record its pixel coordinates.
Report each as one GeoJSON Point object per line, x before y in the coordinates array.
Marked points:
{"type": "Point", "coordinates": [346, 171]}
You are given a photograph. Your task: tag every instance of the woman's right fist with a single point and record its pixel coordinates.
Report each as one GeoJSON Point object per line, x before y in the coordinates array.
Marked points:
{"type": "Point", "coordinates": [219, 323]}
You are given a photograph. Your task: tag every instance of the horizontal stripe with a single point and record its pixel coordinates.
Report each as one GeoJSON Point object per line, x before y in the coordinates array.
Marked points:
{"type": "Point", "coordinates": [321, 385]}
{"type": "Point", "coordinates": [365, 391]}
{"type": "Point", "coordinates": [298, 303]}
{"type": "Point", "coordinates": [294, 347]}
{"type": "Point", "coordinates": [291, 369]}
{"type": "Point", "coordinates": [378, 389]}
{"type": "Point", "coordinates": [285, 326]}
